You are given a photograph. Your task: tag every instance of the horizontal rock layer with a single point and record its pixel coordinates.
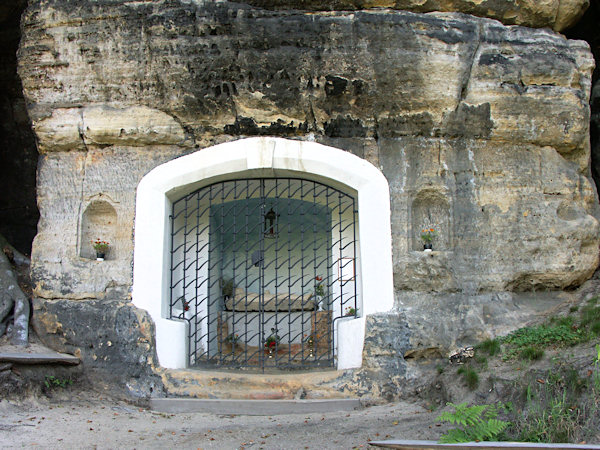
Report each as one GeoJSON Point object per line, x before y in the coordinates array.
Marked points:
{"type": "Point", "coordinates": [555, 14]}
{"type": "Point", "coordinates": [235, 70]}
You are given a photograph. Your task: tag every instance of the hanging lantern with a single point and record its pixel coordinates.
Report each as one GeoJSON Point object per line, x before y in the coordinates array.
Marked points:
{"type": "Point", "coordinates": [270, 223]}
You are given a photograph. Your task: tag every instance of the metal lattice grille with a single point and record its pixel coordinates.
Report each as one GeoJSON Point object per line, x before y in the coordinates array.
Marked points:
{"type": "Point", "coordinates": [261, 269]}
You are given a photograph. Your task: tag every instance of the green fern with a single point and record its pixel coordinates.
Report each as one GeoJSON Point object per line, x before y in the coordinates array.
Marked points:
{"type": "Point", "coordinates": [476, 423]}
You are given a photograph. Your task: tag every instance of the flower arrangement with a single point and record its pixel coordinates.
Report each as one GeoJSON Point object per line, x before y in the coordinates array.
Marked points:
{"type": "Point", "coordinates": [319, 288]}
{"type": "Point", "coordinates": [350, 311]}
{"type": "Point", "coordinates": [428, 235]}
{"type": "Point", "coordinates": [273, 340]}
{"type": "Point", "coordinates": [233, 338]}
{"type": "Point", "coordinates": [100, 246]}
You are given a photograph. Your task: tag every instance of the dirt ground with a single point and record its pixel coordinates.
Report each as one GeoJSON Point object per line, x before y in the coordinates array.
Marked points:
{"type": "Point", "coordinates": [104, 424]}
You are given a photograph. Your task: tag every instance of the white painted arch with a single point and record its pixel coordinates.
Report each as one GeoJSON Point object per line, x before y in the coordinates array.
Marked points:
{"type": "Point", "coordinates": [261, 157]}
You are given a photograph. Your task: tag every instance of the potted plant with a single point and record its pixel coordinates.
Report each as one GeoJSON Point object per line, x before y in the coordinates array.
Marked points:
{"type": "Point", "coordinates": [272, 342]}
{"type": "Point", "coordinates": [350, 311]}
{"type": "Point", "coordinates": [319, 292]}
{"type": "Point", "coordinates": [427, 236]}
{"type": "Point", "coordinates": [233, 339]}
{"type": "Point", "coordinates": [101, 248]}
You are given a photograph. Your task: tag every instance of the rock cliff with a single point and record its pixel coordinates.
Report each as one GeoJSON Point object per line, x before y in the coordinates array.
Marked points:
{"type": "Point", "coordinates": [480, 128]}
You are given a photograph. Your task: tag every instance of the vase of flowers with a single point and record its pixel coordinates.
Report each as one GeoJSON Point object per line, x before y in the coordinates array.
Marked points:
{"type": "Point", "coordinates": [350, 311]}
{"type": "Point", "coordinates": [272, 342]}
{"type": "Point", "coordinates": [427, 236]}
{"type": "Point", "coordinates": [101, 248]}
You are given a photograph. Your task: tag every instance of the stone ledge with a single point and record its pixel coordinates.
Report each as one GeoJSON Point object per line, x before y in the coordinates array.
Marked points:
{"type": "Point", "coordinates": [39, 358]}
{"type": "Point", "coordinates": [252, 407]}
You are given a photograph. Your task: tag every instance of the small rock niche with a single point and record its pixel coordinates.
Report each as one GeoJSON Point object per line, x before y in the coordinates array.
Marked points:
{"type": "Point", "coordinates": [99, 221]}
{"type": "Point", "coordinates": [430, 209]}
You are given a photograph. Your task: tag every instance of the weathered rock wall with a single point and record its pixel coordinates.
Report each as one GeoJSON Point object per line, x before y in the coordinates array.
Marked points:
{"type": "Point", "coordinates": [488, 124]}
{"type": "Point", "coordinates": [482, 131]}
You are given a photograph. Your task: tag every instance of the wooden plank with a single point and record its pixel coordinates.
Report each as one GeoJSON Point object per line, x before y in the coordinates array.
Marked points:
{"type": "Point", "coordinates": [39, 358]}
{"type": "Point", "coordinates": [433, 445]}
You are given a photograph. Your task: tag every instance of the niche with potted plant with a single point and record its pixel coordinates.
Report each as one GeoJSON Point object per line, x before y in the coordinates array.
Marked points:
{"type": "Point", "coordinates": [430, 211]}
{"type": "Point", "coordinates": [98, 221]}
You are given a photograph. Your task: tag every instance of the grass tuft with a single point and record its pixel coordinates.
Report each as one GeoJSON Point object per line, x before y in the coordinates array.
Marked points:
{"type": "Point", "coordinates": [470, 376]}
{"type": "Point", "coordinates": [531, 353]}
{"type": "Point", "coordinates": [490, 346]}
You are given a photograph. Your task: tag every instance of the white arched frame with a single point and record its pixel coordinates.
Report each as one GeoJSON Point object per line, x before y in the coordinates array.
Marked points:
{"type": "Point", "coordinates": [261, 157]}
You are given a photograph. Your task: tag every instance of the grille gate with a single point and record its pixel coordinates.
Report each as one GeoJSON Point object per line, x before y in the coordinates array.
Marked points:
{"type": "Point", "coordinates": [261, 269]}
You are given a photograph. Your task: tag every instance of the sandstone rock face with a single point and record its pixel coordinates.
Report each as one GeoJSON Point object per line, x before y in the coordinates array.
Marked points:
{"type": "Point", "coordinates": [555, 14]}
{"type": "Point", "coordinates": [75, 128]}
{"type": "Point", "coordinates": [481, 130]}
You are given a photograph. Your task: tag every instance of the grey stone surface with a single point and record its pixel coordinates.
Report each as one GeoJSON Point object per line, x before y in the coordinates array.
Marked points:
{"type": "Point", "coordinates": [39, 358]}
{"type": "Point", "coordinates": [438, 324]}
{"type": "Point", "coordinates": [14, 304]}
{"type": "Point", "coordinates": [252, 407]}
{"type": "Point", "coordinates": [383, 372]}
{"type": "Point", "coordinates": [113, 339]}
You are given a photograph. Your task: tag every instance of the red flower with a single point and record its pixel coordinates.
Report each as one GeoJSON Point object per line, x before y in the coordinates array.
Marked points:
{"type": "Point", "coordinates": [319, 278]}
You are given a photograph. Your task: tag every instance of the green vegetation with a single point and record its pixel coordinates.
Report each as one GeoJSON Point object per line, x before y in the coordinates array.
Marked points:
{"type": "Point", "coordinates": [531, 353]}
{"type": "Point", "coordinates": [539, 337]}
{"type": "Point", "coordinates": [490, 346]}
{"type": "Point", "coordinates": [560, 406]}
{"type": "Point", "coordinates": [470, 376]}
{"type": "Point", "coordinates": [556, 405]}
{"type": "Point", "coordinates": [476, 423]}
{"type": "Point", "coordinates": [53, 382]}
{"type": "Point", "coordinates": [530, 342]}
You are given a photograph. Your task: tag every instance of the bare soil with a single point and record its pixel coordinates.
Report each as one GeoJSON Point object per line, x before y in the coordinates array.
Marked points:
{"type": "Point", "coordinates": [101, 423]}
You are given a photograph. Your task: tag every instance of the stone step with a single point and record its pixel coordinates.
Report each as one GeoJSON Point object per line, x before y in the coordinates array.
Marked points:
{"type": "Point", "coordinates": [39, 358]}
{"type": "Point", "coordinates": [252, 386]}
{"type": "Point", "coordinates": [252, 407]}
